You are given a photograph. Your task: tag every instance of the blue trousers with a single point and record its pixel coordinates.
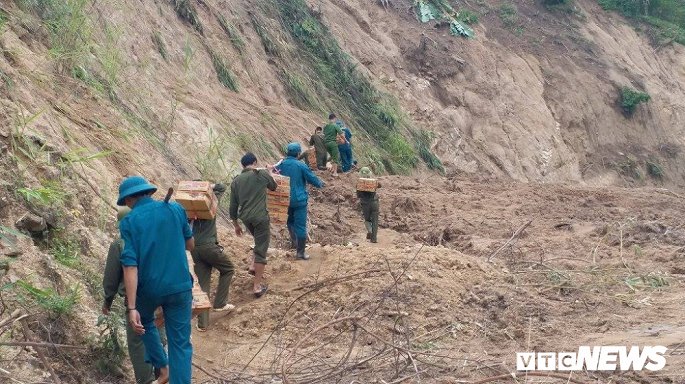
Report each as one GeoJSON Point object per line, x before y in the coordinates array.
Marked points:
{"type": "Point", "coordinates": [297, 220]}
{"type": "Point", "coordinates": [345, 157]}
{"type": "Point", "coordinates": [177, 314]}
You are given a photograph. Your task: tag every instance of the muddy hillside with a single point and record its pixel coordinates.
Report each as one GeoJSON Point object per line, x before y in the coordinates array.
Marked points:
{"type": "Point", "coordinates": [530, 154]}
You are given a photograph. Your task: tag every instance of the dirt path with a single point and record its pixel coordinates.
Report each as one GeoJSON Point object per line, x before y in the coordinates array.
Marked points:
{"type": "Point", "coordinates": [595, 267]}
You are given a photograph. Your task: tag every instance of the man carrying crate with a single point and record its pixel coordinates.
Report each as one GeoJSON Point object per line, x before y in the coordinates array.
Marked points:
{"type": "Point", "coordinates": [208, 254]}
{"type": "Point", "coordinates": [248, 203]}
{"type": "Point", "coordinates": [156, 235]}
{"type": "Point", "coordinates": [366, 193]}
{"type": "Point", "coordinates": [299, 175]}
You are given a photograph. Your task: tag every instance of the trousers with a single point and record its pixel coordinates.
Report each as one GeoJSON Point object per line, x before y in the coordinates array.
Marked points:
{"type": "Point", "coordinates": [206, 257]}
{"type": "Point", "coordinates": [177, 315]}
{"type": "Point", "coordinates": [345, 157]}
{"type": "Point", "coordinates": [297, 220]}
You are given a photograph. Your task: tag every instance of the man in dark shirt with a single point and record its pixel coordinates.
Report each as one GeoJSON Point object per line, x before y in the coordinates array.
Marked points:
{"type": "Point", "coordinates": [209, 254]}
{"type": "Point", "coordinates": [317, 141]}
{"type": "Point", "coordinates": [370, 207]}
{"type": "Point", "coordinates": [248, 203]}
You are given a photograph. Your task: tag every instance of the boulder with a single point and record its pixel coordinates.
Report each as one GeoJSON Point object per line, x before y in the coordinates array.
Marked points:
{"type": "Point", "coordinates": [31, 223]}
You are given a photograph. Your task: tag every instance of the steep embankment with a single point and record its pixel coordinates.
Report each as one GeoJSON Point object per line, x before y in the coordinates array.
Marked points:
{"type": "Point", "coordinates": [93, 91]}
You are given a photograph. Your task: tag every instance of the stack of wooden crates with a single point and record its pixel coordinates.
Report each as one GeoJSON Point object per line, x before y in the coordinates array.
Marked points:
{"type": "Point", "coordinates": [198, 199]}
{"type": "Point", "coordinates": [278, 201]}
{"type": "Point", "coordinates": [367, 185]}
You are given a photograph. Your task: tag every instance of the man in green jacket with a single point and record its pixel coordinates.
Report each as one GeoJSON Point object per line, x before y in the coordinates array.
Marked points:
{"type": "Point", "coordinates": [330, 134]}
{"type": "Point", "coordinates": [248, 203]}
{"type": "Point", "coordinates": [317, 140]}
{"type": "Point", "coordinates": [208, 254]}
{"type": "Point", "coordinates": [113, 284]}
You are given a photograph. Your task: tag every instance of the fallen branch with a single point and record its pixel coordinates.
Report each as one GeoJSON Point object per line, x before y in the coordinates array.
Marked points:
{"type": "Point", "coordinates": [206, 372]}
{"type": "Point", "coordinates": [513, 237]}
{"type": "Point", "coordinates": [41, 355]}
{"type": "Point", "coordinates": [39, 345]}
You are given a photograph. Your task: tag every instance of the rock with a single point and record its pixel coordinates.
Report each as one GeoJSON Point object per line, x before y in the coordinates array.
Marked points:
{"type": "Point", "coordinates": [31, 223]}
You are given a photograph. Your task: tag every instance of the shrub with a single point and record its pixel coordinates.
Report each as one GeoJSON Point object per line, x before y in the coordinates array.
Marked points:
{"type": "Point", "coordinates": [56, 304]}
{"type": "Point", "coordinates": [65, 250]}
{"type": "Point", "coordinates": [161, 46]}
{"type": "Point", "coordinates": [630, 98]}
{"type": "Point", "coordinates": [187, 12]}
{"type": "Point", "coordinates": [232, 34]}
{"type": "Point", "coordinates": [467, 17]}
{"type": "Point", "coordinates": [508, 14]}
{"type": "Point", "coordinates": [223, 73]}
{"type": "Point", "coordinates": [47, 195]}
{"type": "Point", "coordinates": [654, 169]}
{"type": "Point", "coordinates": [69, 28]}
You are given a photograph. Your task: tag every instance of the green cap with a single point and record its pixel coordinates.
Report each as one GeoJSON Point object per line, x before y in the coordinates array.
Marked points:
{"type": "Point", "coordinates": [366, 172]}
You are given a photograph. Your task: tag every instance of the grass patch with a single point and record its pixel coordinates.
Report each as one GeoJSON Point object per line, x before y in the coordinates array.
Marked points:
{"type": "Point", "coordinates": [50, 194]}
{"type": "Point", "coordinates": [69, 28]}
{"type": "Point", "coordinates": [55, 304]}
{"type": "Point", "coordinates": [110, 57]}
{"type": "Point", "coordinates": [631, 98]}
{"type": "Point", "coordinates": [629, 167]}
{"type": "Point", "coordinates": [423, 141]}
{"type": "Point", "coordinates": [212, 164]}
{"type": "Point", "coordinates": [654, 169]}
{"type": "Point", "coordinates": [467, 16]}
{"type": "Point", "coordinates": [223, 72]}
{"type": "Point", "coordinates": [159, 43]}
{"type": "Point", "coordinates": [232, 33]}
{"type": "Point", "coordinates": [270, 47]}
{"type": "Point", "coordinates": [188, 13]}
{"type": "Point", "coordinates": [65, 250]}
{"type": "Point", "coordinates": [666, 16]}
{"type": "Point", "coordinates": [508, 14]}
{"type": "Point", "coordinates": [299, 91]}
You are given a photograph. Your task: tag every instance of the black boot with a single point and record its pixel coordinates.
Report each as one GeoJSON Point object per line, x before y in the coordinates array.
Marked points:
{"type": "Point", "coordinates": [293, 239]}
{"type": "Point", "coordinates": [301, 245]}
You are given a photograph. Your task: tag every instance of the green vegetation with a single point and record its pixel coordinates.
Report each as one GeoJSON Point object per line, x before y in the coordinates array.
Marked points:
{"type": "Point", "coordinates": [49, 194]}
{"type": "Point", "coordinates": [55, 304]}
{"type": "Point", "coordinates": [69, 28]}
{"type": "Point", "coordinates": [339, 86]}
{"type": "Point", "coordinates": [4, 18]}
{"type": "Point", "coordinates": [630, 168]}
{"type": "Point", "coordinates": [223, 73]}
{"type": "Point", "coordinates": [467, 17]}
{"type": "Point", "coordinates": [630, 98]}
{"type": "Point", "coordinates": [109, 56]}
{"type": "Point", "coordinates": [65, 250]}
{"type": "Point", "coordinates": [666, 16]}
{"type": "Point", "coordinates": [232, 33]}
{"type": "Point", "coordinates": [188, 13]}
{"type": "Point", "coordinates": [508, 14]}
{"type": "Point", "coordinates": [423, 143]}
{"type": "Point", "coordinates": [265, 37]}
{"type": "Point", "coordinates": [555, 2]}
{"type": "Point", "coordinates": [654, 169]}
{"type": "Point", "coordinates": [161, 46]}
{"type": "Point", "coordinates": [109, 351]}
{"type": "Point", "coordinates": [212, 163]}
{"type": "Point", "coordinates": [299, 91]}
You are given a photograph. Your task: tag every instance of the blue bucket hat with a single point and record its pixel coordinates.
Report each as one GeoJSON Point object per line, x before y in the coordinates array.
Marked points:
{"type": "Point", "coordinates": [293, 149]}
{"type": "Point", "coordinates": [132, 185]}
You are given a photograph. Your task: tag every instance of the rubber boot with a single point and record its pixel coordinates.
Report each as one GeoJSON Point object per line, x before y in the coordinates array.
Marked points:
{"type": "Point", "coordinates": [293, 238]}
{"type": "Point", "coordinates": [369, 229]}
{"type": "Point", "coordinates": [301, 245]}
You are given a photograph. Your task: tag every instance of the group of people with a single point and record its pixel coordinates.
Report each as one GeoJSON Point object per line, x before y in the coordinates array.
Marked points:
{"type": "Point", "coordinates": [147, 264]}
{"type": "Point", "coordinates": [334, 141]}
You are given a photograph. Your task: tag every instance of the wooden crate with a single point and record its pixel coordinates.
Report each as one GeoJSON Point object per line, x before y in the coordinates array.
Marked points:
{"type": "Point", "coordinates": [200, 298]}
{"type": "Point", "coordinates": [367, 185]}
{"type": "Point", "coordinates": [278, 201]}
{"type": "Point", "coordinates": [198, 199]}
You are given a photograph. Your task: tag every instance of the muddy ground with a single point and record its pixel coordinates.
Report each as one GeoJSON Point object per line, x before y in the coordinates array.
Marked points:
{"type": "Point", "coordinates": [448, 295]}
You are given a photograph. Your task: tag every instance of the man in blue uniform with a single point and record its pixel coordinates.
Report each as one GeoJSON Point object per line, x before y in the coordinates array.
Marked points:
{"type": "Point", "coordinates": [346, 148]}
{"type": "Point", "coordinates": [156, 235]}
{"type": "Point", "coordinates": [300, 175]}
